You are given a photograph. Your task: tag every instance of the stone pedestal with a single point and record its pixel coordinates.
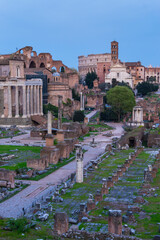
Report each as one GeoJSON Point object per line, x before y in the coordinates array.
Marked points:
{"type": "Point", "coordinates": [110, 182]}
{"type": "Point", "coordinates": [90, 205]}
{"type": "Point", "coordinates": [49, 140]}
{"type": "Point", "coordinates": [115, 222]}
{"type": "Point", "coordinates": [60, 136]}
{"type": "Point", "coordinates": [51, 153]}
{"type": "Point", "coordinates": [98, 196]}
{"type": "Point", "coordinates": [61, 224]}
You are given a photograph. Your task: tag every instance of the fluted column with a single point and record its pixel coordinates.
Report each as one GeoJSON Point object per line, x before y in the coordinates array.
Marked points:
{"type": "Point", "coordinates": [31, 98]}
{"type": "Point", "coordinates": [9, 102]}
{"type": "Point", "coordinates": [41, 101]}
{"type": "Point", "coordinates": [38, 101]}
{"type": "Point", "coordinates": [24, 102]}
{"type": "Point", "coordinates": [17, 103]}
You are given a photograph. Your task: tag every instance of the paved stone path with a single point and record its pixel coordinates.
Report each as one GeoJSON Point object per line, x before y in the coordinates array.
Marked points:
{"type": "Point", "coordinates": [23, 139]}
{"type": "Point", "coordinates": [91, 114]}
{"type": "Point", "coordinates": [14, 206]}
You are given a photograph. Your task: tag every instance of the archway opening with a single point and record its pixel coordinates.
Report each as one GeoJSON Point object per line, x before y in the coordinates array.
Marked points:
{"type": "Point", "coordinates": [42, 65]}
{"type": "Point", "coordinates": [32, 65]}
{"type": "Point", "coordinates": [132, 142]}
{"type": "Point", "coordinates": [54, 69]}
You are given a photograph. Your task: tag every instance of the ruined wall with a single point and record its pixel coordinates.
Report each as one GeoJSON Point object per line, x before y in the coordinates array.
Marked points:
{"type": "Point", "coordinates": [100, 236]}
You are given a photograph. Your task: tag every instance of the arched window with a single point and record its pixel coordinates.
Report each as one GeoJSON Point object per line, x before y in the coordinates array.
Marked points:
{"type": "Point", "coordinates": [62, 69]}
{"type": "Point", "coordinates": [32, 65]}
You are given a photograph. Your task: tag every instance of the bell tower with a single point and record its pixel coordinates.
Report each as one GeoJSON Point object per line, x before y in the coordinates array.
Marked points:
{"type": "Point", "coordinates": [114, 51]}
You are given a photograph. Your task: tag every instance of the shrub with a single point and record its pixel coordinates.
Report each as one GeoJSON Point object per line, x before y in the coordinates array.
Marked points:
{"type": "Point", "coordinates": [78, 116]}
{"type": "Point", "coordinates": [20, 225]}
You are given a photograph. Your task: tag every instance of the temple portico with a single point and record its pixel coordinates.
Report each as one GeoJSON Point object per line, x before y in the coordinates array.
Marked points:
{"type": "Point", "coordinates": [21, 98]}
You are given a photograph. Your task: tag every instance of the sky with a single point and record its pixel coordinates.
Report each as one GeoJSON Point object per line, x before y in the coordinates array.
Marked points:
{"type": "Point", "coordinates": [70, 28]}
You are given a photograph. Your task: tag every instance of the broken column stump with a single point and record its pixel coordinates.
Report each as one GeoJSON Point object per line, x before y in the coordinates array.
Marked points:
{"type": "Point", "coordinates": [115, 222]}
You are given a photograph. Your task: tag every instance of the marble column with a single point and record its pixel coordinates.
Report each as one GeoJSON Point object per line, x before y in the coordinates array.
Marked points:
{"type": "Point", "coordinates": [41, 101]}
{"type": "Point", "coordinates": [35, 100]}
{"type": "Point", "coordinates": [24, 102]}
{"type": "Point", "coordinates": [9, 102]}
{"type": "Point", "coordinates": [31, 98]}
{"type": "Point", "coordinates": [79, 163]}
{"type": "Point", "coordinates": [28, 103]}
{"type": "Point", "coordinates": [38, 101]}
{"type": "Point", "coordinates": [49, 122]}
{"type": "Point", "coordinates": [17, 103]}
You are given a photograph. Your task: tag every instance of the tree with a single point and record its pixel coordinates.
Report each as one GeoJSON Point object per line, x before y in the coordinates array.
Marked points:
{"type": "Point", "coordinates": [75, 95]}
{"type": "Point", "coordinates": [49, 107]}
{"type": "Point", "coordinates": [121, 100]}
{"type": "Point", "coordinates": [90, 77]}
{"type": "Point", "coordinates": [146, 87]}
{"type": "Point", "coordinates": [78, 116]}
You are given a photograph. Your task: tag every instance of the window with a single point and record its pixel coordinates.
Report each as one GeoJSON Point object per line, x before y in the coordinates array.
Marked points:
{"type": "Point", "coordinates": [141, 69]}
{"type": "Point", "coordinates": [117, 74]}
{"type": "Point", "coordinates": [18, 71]}
{"type": "Point", "coordinates": [139, 76]}
{"type": "Point", "coordinates": [115, 52]}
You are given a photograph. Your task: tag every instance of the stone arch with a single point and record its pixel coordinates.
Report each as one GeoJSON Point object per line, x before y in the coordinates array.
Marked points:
{"type": "Point", "coordinates": [32, 65]}
{"type": "Point", "coordinates": [54, 69]}
{"type": "Point", "coordinates": [132, 142]}
{"type": "Point", "coordinates": [62, 69]}
{"type": "Point", "coordinates": [42, 65]}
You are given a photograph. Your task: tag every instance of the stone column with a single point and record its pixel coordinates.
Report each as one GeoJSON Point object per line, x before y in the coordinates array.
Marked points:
{"type": "Point", "coordinates": [41, 101]}
{"type": "Point", "coordinates": [28, 102]}
{"type": "Point", "coordinates": [49, 136]}
{"type": "Point", "coordinates": [49, 123]}
{"type": "Point", "coordinates": [31, 98]}
{"type": "Point", "coordinates": [35, 100]}
{"type": "Point", "coordinates": [79, 163]}
{"type": "Point", "coordinates": [59, 112]}
{"type": "Point", "coordinates": [17, 103]}
{"type": "Point", "coordinates": [115, 222]}
{"type": "Point", "coordinates": [81, 101]}
{"type": "Point", "coordinates": [9, 102]}
{"type": "Point", "coordinates": [24, 102]}
{"type": "Point", "coordinates": [38, 101]}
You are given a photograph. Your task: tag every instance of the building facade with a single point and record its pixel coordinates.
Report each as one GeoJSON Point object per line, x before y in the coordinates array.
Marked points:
{"type": "Point", "coordinates": [119, 72]}
{"type": "Point", "coordinates": [99, 63]}
{"type": "Point", "coordinates": [20, 98]}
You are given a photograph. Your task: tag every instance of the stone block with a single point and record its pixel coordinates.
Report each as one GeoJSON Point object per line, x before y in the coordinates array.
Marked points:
{"type": "Point", "coordinates": [61, 223]}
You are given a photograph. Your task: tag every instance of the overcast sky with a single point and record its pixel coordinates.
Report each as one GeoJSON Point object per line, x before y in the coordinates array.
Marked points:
{"type": "Point", "coordinates": [69, 28]}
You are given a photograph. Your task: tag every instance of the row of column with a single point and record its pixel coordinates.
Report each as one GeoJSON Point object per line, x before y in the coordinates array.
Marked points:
{"type": "Point", "coordinates": [32, 101]}
{"type": "Point", "coordinates": [137, 115]}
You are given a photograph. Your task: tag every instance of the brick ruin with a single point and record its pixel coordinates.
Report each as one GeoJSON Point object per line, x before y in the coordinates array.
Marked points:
{"type": "Point", "coordinates": [7, 178]}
